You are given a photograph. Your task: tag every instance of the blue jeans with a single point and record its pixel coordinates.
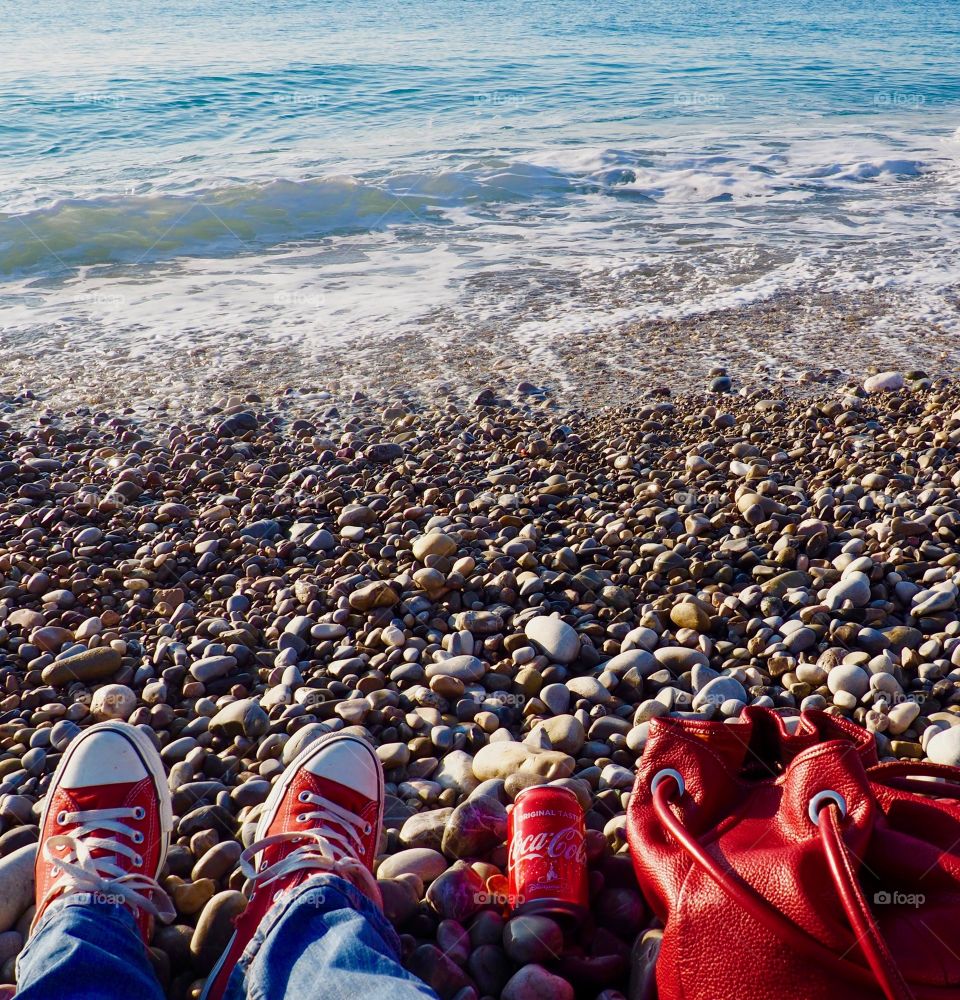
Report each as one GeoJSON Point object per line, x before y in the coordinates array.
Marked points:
{"type": "Point", "coordinates": [328, 942]}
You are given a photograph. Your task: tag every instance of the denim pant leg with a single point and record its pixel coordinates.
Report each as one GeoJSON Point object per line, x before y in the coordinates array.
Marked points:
{"type": "Point", "coordinates": [329, 942]}
{"type": "Point", "coordinates": [86, 950]}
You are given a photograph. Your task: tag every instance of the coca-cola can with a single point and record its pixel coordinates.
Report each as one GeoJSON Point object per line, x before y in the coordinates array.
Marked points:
{"type": "Point", "coordinates": [547, 859]}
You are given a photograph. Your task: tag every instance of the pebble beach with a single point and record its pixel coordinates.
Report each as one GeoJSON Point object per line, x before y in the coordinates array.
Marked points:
{"type": "Point", "coordinates": [497, 589]}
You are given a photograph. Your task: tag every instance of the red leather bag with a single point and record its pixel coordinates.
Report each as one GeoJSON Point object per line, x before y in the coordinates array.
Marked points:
{"type": "Point", "coordinates": [785, 862]}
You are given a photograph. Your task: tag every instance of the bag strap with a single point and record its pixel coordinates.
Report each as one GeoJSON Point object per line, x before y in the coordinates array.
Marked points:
{"type": "Point", "coordinates": [869, 937]}
{"type": "Point", "coordinates": [905, 775]}
{"type": "Point", "coordinates": [882, 971]}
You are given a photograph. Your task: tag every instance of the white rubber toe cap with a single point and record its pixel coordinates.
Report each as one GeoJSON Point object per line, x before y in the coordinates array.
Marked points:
{"type": "Point", "coordinates": [349, 762]}
{"type": "Point", "coordinates": [103, 758]}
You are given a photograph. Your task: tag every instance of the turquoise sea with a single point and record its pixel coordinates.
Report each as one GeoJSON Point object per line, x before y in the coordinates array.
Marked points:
{"type": "Point", "coordinates": [327, 170]}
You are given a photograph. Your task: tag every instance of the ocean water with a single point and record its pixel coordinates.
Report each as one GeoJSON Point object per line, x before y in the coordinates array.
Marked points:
{"type": "Point", "coordinates": [312, 172]}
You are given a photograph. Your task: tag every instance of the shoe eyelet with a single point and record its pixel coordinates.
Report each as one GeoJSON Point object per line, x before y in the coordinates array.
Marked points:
{"type": "Point", "coordinates": [368, 829]}
{"type": "Point", "coordinates": [137, 837]}
{"type": "Point", "coordinates": [303, 797]}
{"type": "Point", "coordinates": [55, 870]}
{"type": "Point", "coordinates": [302, 818]}
{"type": "Point", "coordinates": [139, 812]}
{"type": "Point", "coordinates": [62, 818]}
{"type": "Point", "coordinates": [138, 861]}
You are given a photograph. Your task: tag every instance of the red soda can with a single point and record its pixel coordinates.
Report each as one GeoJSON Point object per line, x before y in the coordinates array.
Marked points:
{"type": "Point", "coordinates": [547, 853]}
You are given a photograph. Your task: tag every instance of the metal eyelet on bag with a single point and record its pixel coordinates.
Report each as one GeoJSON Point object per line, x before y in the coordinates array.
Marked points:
{"type": "Point", "coordinates": [669, 772]}
{"type": "Point", "coordinates": [821, 799]}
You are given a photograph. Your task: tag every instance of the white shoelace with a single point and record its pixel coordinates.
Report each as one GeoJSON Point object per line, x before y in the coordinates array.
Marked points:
{"type": "Point", "coordinates": [77, 870]}
{"type": "Point", "coordinates": [327, 849]}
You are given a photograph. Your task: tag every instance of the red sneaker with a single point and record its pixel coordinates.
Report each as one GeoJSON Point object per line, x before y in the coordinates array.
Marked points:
{"type": "Point", "coordinates": [323, 815]}
{"type": "Point", "coordinates": [106, 824]}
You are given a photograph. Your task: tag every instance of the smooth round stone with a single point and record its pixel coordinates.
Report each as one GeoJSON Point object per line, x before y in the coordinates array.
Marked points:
{"type": "Point", "coordinates": [16, 884]}
{"type": "Point", "coordinates": [534, 982]}
{"type": "Point", "coordinates": [113, 701]}
{"type": "Point", "coordinates": [884, 382]}
{"type": "Point", "coordinates": [241, 718]}
{"type": "Point", "coordinates": [532, 938]}
{"type": "Point", "coordinates": [854, 588]}
{"type": "Point", "coordinates": [640, 660]}
{"type": "Point", "coordinates": [715, 692]}
{"type": "Point", "coordinates": [426, 829]}
{"type": "Point", "coordinates": [680, 659]}
{"type": "Point", "coordinates": [393, 755]}
{"type": "Point", "coordinates": [90, 665]}
{"type": "Point", "coordinates": [591, 689]}
{"type": "Point", "coordinates": [640, 637]}
{"type": "Point", "coordinates": [901, 717]}
{"type": "Point", "coordinates": [944, 747]}
{"type": "Point", "coordinates": [556, 697]}
{"type": "Point", "coordinates": [211, 668]}
{"type": "Point", "coordinates": [690, 615]}
{"type": "Point", "coordinates": [456, 771]}
{"type": "Point", "coordinates": [554, 638]}
{"type": "Point", "coordinates": [215, 927]}
{"type": "Point", "coordinates": [301, 738]}
{"type": "Point", "coordinates": [219, 861]}
{"type": "Point", "coordinates": [457, 893]}
{"type": "Point", "coordinates": [475, 828]}
{"type": "Point", "coordinates": [853, 680]}
{"type": "Point", "coordinates": [400, 900]}
{"type": "Point", "coordinates": [434, 543]}
{"type": "Point", "coordinates": [505, 758]}
{"type": "Point", "coordinates": [420, 861]}
{"type": "Point", "coordinates": [565, 732]}
{"type": "Point", "coordinates": [468, 669]}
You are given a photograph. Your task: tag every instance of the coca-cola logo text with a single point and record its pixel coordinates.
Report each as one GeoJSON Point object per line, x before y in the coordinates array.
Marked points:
{"type": "Point", "coordinates": [566, 844]}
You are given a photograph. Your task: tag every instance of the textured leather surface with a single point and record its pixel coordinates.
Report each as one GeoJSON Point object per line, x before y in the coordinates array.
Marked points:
{"type": "Point", "coordinates": [748, 788]}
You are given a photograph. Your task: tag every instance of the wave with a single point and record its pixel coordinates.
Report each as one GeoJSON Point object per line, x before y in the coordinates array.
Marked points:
{"type": "Point", "coordinates": [247, 217]}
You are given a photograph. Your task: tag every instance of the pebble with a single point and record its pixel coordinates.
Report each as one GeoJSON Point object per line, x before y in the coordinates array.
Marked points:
{"type": "Point", "coordinates": [475, 828]}
{"type": "Point", "coordinates": [943, 748]}
{"type": "Point", "coordinates": [90, 665]}
{"type": "Point", "coordinates": [423, 862]}
{"type": "Point", "coordinates": [16, 884]}
{"type": "Point", "coordinates": [531, 938]}
{"type": "Point", "coordinates": [554, 638]}
{"type": "Point", "coordinates": [215, 927]}
{"type": "Point", "coordinates": [113, 701]}
{"type": "Point", "coordinates": [534, 982]}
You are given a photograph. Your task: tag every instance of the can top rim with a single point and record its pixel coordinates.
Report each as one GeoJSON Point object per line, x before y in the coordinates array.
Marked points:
{"type": "Point", "coordinates": [540, 788]}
